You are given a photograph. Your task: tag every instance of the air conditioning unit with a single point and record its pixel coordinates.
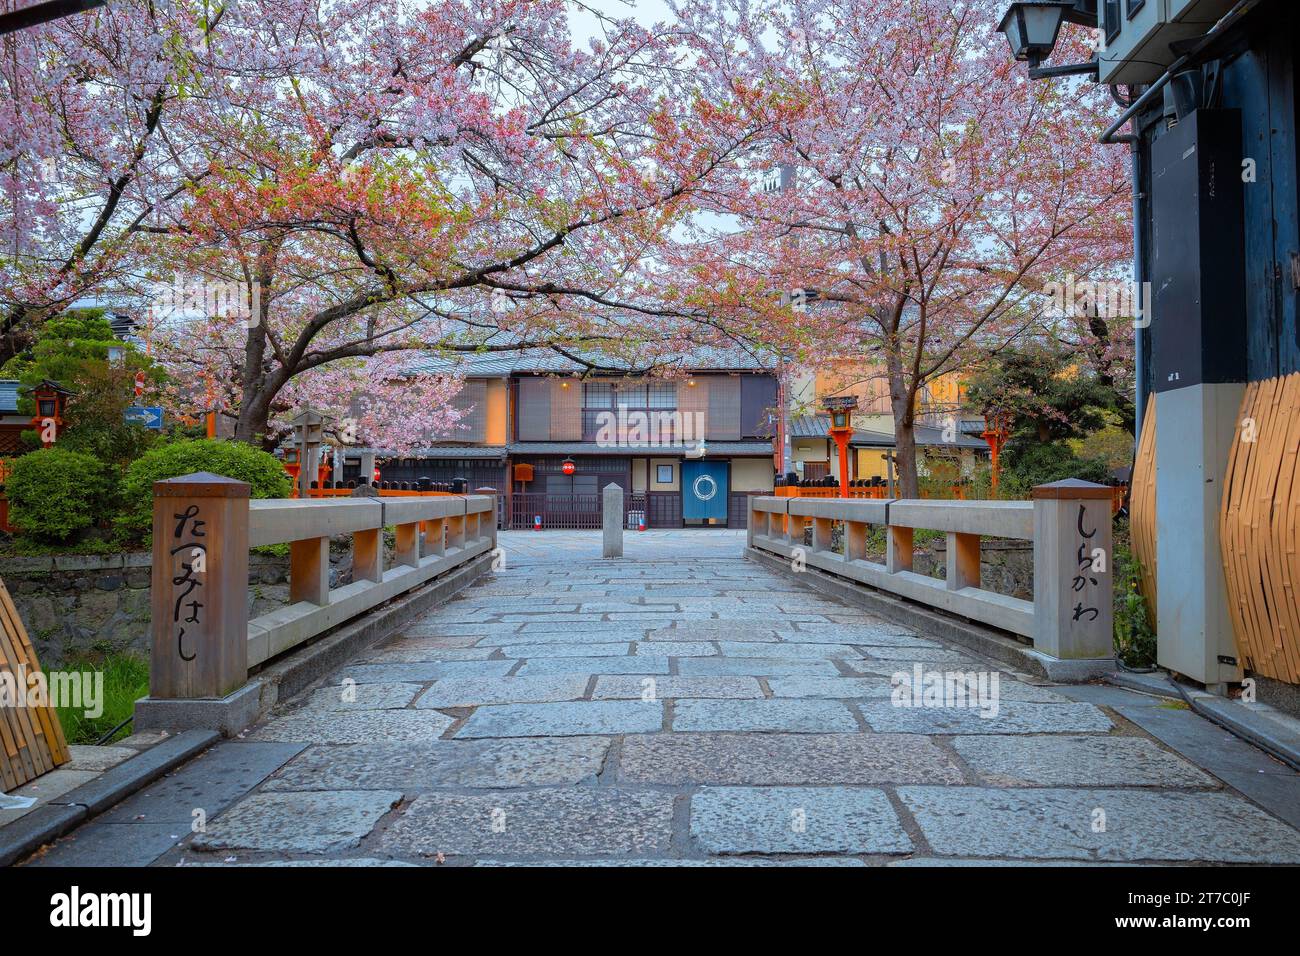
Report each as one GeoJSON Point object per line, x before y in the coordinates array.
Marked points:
{"type": "Point", "coordinates": [1136, 34]}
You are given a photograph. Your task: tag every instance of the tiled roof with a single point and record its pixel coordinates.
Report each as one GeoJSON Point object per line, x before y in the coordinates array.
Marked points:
{"type": "Point", "coordinates": [504, 364]}
{"type": "Point", "coordinates": [815, 426]}
{"type": "Point", "coordinates": [712, 449]}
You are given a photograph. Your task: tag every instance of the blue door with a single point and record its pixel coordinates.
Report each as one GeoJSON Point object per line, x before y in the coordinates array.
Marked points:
{"type": "Point", "coordinates": [704, 489]}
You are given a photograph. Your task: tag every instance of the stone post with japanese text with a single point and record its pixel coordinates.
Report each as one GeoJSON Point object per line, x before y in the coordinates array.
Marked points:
{"type": "Point", "coordinates": [1073, 573]}
{"type": "Point", "coordinates": [199, 587]}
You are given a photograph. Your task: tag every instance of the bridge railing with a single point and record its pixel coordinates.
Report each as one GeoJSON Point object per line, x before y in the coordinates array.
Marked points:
{"type": "Point", "coordinates": [1068, 522]}
{"type": "Point", "coordinates": [203, 642]}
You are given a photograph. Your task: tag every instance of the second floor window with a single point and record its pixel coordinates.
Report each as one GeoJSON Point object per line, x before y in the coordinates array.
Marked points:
{"type": "Point", "coordinates": [637, 411]}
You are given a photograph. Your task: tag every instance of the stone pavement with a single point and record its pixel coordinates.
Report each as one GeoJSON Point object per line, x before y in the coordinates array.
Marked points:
{"type": "Point", "coordinates": [683, 705]}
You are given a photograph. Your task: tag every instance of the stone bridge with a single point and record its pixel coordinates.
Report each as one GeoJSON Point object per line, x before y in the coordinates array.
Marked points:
{"type": "Point", "coordinates": [686, 705]}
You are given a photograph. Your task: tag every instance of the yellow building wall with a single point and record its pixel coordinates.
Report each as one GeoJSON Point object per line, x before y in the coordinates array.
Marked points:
{"type": "Point", "coordinates": [656, 484]}
{"type": "Point", "coordinates": [866, 381]}
{"type": "Point", "coordinates": [752, 474]}
{"type": "Point", "coordinates": [498, 412]}
{"type": "Point", "coordinates": [871, 462]}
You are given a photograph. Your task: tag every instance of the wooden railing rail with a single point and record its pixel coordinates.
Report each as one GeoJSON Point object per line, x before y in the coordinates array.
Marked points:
{"type": "Point", "coordinates": [1068, 522]}
{"type": "Point", "coordinates": [203, 641]}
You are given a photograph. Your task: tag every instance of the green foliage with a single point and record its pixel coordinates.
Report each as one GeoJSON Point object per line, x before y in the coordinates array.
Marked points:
{"type": "Point", "coordinates": [1135, 641]}
{"type": "Point", "coordinates": [55, 493]}
{"type": "Point", "coordinates": [232, 459]}
{"type": "Point", "coordinates": [1048, 395]}
{"type": "Point", "coordinates": [126, 680]}
{"type": "Point", "coordinates": [72, 349]}
{"type": "Point", "coordinates": [1029, 463]}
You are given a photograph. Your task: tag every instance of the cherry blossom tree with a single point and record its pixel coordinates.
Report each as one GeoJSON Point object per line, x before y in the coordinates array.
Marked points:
{"type": "Point", "coordinates": [85, 152]}
{"type": "Point", "coordinates": [931, 191]}
{"type": "Point", "coordinates": [380, 177]}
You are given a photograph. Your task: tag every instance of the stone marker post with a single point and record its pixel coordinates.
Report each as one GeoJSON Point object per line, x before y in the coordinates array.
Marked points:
{"type": "Point", "coordinates": [199, 587]}
{"type": "Point", "coordinates": [612, 521]}
{"type": "Point", "coordinates": [1073, 573]}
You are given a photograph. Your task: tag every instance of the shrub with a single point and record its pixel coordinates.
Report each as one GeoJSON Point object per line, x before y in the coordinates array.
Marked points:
{"type": "Point", "coordinates": [54, 493]}
{"type": "Point", "coordinates": [232, 459]}
{"type": "Point", "coordinates": [1026, 464]}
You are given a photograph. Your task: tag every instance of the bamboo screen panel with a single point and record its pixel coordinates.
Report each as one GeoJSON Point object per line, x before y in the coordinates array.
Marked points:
{"type": "Point", "coordinates": [1259, 529]}
{"type": "Point", "coordinates": [1142, 509]}
{"type": "Point", "coordinates": [31, 738]}
{"type": "Point", "coordinates": [566, 410]}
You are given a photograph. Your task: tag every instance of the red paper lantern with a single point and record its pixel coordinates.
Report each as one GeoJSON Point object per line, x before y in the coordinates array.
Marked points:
{"type": "Point", "coordinates": [568, 467]}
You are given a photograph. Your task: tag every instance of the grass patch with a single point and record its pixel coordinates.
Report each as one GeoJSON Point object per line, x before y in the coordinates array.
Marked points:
{"type": "Point", "coordinates": [126, 680]}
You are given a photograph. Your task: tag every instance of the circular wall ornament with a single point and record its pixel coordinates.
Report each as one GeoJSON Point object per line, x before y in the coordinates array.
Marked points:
{"type": "Point", "coordinates": [705, 487]}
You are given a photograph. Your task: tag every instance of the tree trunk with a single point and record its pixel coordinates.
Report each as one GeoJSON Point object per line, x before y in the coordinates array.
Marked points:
{"type": "Point", "coordinates": [254, 418]}
{"type": "Point", "coordinates": [901, 400]}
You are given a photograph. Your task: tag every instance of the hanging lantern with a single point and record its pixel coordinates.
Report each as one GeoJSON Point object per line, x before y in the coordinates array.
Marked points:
{"type": "Point", "coordinates": [568, 467]}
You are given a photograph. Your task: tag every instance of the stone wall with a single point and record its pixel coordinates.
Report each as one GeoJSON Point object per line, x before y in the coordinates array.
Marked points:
{"type": "Point", "coordinates": [80, 603]}
{"type": "Point", "coordinates": [85, 603]}
{"type": "Point", "coordinates": [1006, 566]}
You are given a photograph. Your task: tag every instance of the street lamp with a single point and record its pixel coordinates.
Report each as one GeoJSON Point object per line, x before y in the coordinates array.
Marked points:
{"type": "Point", "coordinates": [840, 409]}
{"type": "Point", "coordinates": [1032, 27]}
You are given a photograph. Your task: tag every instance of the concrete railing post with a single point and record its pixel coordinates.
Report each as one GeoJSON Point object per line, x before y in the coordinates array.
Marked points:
{"type": "Point", "coordinates": [1073, 578]}
{"type": "Point", "coordinates": [199, 587]}
{"type": "Point", "coordinates": [612, 521]}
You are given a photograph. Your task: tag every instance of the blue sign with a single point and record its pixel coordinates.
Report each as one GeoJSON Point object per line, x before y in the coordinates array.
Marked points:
{"type": "Point", "coordinates": [150, 416]}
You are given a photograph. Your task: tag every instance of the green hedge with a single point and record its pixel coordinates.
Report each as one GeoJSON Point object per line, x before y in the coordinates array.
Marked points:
{"type": "Point", "coordinates": [232, 459]}
{"type": "Point", "coordinates": [53, 493]}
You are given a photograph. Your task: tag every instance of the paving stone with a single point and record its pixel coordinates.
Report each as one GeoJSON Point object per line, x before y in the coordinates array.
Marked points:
{"type": "Point", "coordinates": [567, 650]}
{"type": "Point", "coordinates": [754, 667]}
{"type": "Point", "coordinates": [786, 651]}
{"type": "Point", "coordinates": [1012, 717]}
{"type": "Point", "coordinates": [754, 629]}
{"type": "Point", "coordinates": [422, 671]}
{"type": "Point", "coordinates": [473, 691]}
{"type": "Point", "coordinates": [536, 823]}
{"type": "Point", "coordinates": [418, 639]}
{"type": "Point", "coordinates": [800, 716]}
{"type": "Point", "coordinates": [89, 757]}
{"type": "Point", "coordinates": [712, 861]}
{"type": "Point", "coordinates": [684, 635]}
{"type": "Point", "coordinates": [571, 635]}
{"type": "Point", "coordinates": [924, 654]}
{"type": "Point", "coordinates": [796, 820]}
{"type": "Point", "coordinates": [56, 783]}
{"type": "Point", "coordinates": [670, 688]}
{"type": "Point", "coordinates": [831, 688]}
{"type": "Point", "coordinates": [431, 627]}
{"type": "Point", "coordinates": [564, 719]}
{"type": "Point", "coordinates": [315, 822]}
{"type": "Point", "coordinates": [877, 633]}
{"type": "Point", "coordinates": [1059, 824]}
{"type": "Point", "coordinates": [210, 782]}
{"type": "Point", "coordinates": [851, 758]}
{"type": "Point", "coordinates": [676, 649]}
{"type": "Point", "coordinates": [1077, 761]}
{"type": "Point", "coordinates": [417, 767]}
{"type": "Point", "coordinates": [842, 634]}
{"type": "Point", "coordinates": [347, 862]}
{"type": "Point", "coordinates": [384, 695]}
{"type": "Point", "coordinates": [881, 685]}
{"type": "Point", "coordinates": [113, 844]}
{"type": "Point", "coordinates": [430, 653]}
{"type": "Point", "coordinates": [355, 727]}
{"type": "Point", "coordinates": [594, 665]}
